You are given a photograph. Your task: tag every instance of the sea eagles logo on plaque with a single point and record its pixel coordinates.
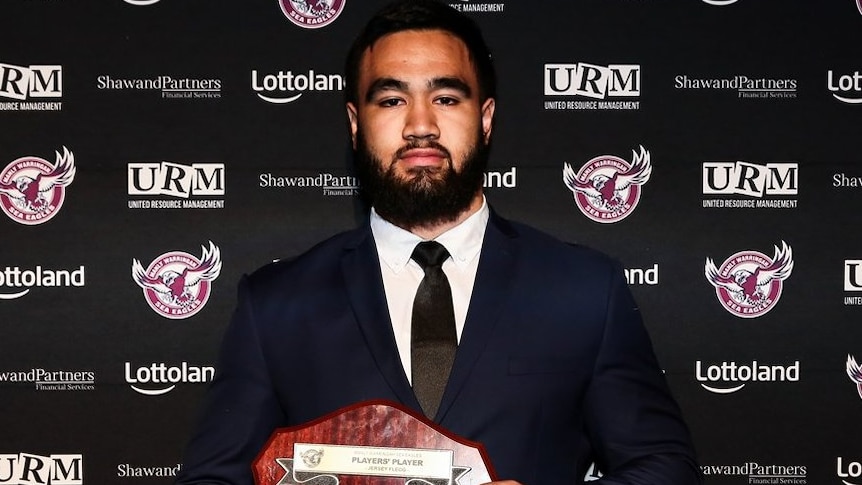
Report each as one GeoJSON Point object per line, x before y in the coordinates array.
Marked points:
{"type": "Point", "coordinates": [607, 188]}
{"type": "Point", "coordinates": [312, 14]}
{"type": "Point", "coordinates": [749, 283]}
{"type": "Point", "coordinates": [854, 371]}
{"type": "Point", "coordinates": [177, 284]}
{"type": "Point", "coordinates": [32, 190]}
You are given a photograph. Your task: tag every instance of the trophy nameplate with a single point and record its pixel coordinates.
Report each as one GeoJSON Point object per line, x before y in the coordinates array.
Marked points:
{"type": "Point", "coordinates": [377, 442]}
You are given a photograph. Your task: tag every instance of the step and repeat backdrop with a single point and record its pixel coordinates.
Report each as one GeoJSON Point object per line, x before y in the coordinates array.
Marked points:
{"type": "Point", "coordinates": [153, 151]}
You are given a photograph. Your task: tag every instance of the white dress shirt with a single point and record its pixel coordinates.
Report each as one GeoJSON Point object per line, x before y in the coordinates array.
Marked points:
{"type": "Point", "coordinates": [402, 275]}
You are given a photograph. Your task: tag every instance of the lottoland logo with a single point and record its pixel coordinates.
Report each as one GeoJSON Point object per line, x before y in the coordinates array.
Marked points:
{"type": "Point", "coordinates": [141, 3]}
{"type": "Point", "coordinates": [846, 88]}
{"type": "Point", "coordinates": [286, 86]}
{"type": "Point", "coordinates": [16, 282]}
{"type": "Point", "coordinates": [851, 470]}
{"type": "Point", "coordinates": [717, 3]}
{"type": "Point", "coordinates": [159, 378]}
{"type": "Point", "coordinates": [52, 380]}
{"type": "Point", "coordinates": [729, 377]}
{"type": "Point", "coordinates": [642, 276]}
{"type": "Point", "coordinates": [30, 469]}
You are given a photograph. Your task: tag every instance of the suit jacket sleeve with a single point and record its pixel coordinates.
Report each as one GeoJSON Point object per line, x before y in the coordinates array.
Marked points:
{"type": "Point", "coordinates": [633, 422]}
{"type": "Point", "coordinates": [241, 409]}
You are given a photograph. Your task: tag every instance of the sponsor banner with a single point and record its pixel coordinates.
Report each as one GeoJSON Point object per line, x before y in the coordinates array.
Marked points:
{"type": "Point", "coordinates": [749, 283]}
{"type": "Point", "coordinates": [51, 380]}
{"type": "Point", "coordinates": [189, 186]}
{"type": "Point", "coordinates": [846, 88]}
{"type": "Point", "coordinates": [745, 87]}
{"type": "Point", "coordinates": [756, 473]}
{"type": "Point", "coordinates": [312, 14]}
{"type": "Point", "coordinates": [16, 282]}
{"type": "Point", "coordinates": [328, 183]}
{"type": "Point", "coordinates": [169, 87]}
{"type": "Point", "coordinates": [30, 469]}
{"type": "Point", "coordinates": [176, 284]}
{"type": "Point", "coordinates": [729, 377]}
{"type": "Point", "coordinates": [32, 190]}
{"type": "Point", "coordinates": [596, 87]}
{"type": "Point", "coordinates": [854, 372]}
{"type": "Point", "coordinates": [128, 470]}
{"type": "Point", "coordinates": [607, 188]}
{"type": "Point", "coordinates": [160, 378]}
{"type": "Point", "coordinates": [284, 87]}
{"type": "Point", "coordinates": [483, 7]}
{"type": "Point", "coordinates": [769, 185]}
{"type": "Point", "coordinates": [31, 88]}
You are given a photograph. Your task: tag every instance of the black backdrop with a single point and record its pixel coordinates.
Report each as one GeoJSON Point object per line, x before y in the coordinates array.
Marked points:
{"type": "Point", "coordinates": [755, 81]}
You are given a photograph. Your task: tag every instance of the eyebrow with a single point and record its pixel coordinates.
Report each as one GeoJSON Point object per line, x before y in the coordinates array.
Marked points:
{"type": "Point", "coordinates": [388, 83]}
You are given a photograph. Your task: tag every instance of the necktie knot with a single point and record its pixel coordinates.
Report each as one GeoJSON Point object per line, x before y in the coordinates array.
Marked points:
{"type": "Point", "coordinates": [429, 254]}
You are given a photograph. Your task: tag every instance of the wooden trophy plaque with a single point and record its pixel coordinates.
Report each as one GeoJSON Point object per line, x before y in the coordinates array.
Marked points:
{"type": "Point", "coordinates": [373, 442]}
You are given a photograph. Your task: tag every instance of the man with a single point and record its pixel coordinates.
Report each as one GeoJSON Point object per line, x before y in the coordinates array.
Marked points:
{"type": "Point", "coordinates": [553, 368]}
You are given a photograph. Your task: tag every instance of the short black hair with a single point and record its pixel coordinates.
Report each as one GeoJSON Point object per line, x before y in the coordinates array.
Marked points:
{"type": "Point", "coordinates": [422, 15]}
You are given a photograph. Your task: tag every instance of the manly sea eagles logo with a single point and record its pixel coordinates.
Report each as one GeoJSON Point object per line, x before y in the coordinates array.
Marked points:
{"type": "Point", "coordinates": [312, 14]}
{"type": "Point", "coordinates": [607, 189]}
{"type": "Point", "coordinates": [177, 284]}
{"type": "Point", "coordinates": [859, 5]}
{"type": "Point", "coordinates": [854, 370]}
{"type": "Point", "coordinates": [32, 190]}
{"type": "Point", "coordinates": [748, 284]}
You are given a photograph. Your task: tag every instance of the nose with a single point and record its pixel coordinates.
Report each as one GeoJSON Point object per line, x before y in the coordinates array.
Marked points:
{"type": "Point", "coordinates": [421, 122]}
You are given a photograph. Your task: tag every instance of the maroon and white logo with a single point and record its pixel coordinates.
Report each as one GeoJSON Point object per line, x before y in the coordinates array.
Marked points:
{"type": "Point", "coordinates": [859, 5]}
{"type": "Point", "coordinates": [854, 371]}
{"type": "Point", "coordinates": [177, 284]}
{"type": "Point", "coordinates": [312, 14]}
{"type": "Point", "coordinates": [749, 283]}
{"type": "Point", "coordinates": [32, 190]}
{"type": "Point", "coordinates": [607, 188]}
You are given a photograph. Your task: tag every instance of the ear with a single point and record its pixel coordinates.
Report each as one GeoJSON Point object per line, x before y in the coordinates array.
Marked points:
{"type": "Point", "coordinates": [351, 117]}
{"type": "Point", "coordinates": [488, 118]}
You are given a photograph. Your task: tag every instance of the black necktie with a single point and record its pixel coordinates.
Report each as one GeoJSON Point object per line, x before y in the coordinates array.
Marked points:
{"type": "Point", "coordinates": [433, 341]}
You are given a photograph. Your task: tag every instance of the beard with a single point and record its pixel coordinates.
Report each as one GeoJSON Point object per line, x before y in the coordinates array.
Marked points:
{"type": "Point", "coordinates": [426, 196]}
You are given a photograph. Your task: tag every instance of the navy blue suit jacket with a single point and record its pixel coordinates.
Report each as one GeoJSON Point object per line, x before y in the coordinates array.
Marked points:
{"type": "Point", "coordinates": [554, 369]}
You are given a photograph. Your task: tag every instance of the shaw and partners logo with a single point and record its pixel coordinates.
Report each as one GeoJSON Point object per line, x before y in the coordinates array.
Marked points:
{"type": "Point", "coordinates": [846, 88]}
{"type": "Point", "coordinates": [853, 280]}
{"type": "Point", "coordinates": [745, 87]}
{"type": "Point", "coordinates": [611, 87]}
{"type": "Point", "coordinates": [30, 469]}
{"type": "Point", "coordinates": [286, 86]}
{"type": "Point", "coordinates": [607, 189]}
{"type": "Point", "coordinates": [16, 282]}
{"type": "Point", "coordinates": [159, 378]}
{"type": "Point", "coordinates": [51, 380]}
{"type": "Point", "coordinates": [169, 86]}
{"type": "Point", "coordinates": [749, 283]}
{"type": "Point", "coordinates": [756, 473]}
{"type": "Point", "coordinates": [312, 14]}
{"type": "Point", "coordinates": [330, 184]}
{"type": "Point", "coordinates": [187, 184]}
{"type": "Point", "coordinates": [766, 186]}
{"type": "Point", "coordinates": [176, 284]}
{"type": "Point", "coordinates": [729, 377]}
{"type": "Point", "coordinates": [32, 190]}
{"type": "Point", "coordinates": [43, 83]}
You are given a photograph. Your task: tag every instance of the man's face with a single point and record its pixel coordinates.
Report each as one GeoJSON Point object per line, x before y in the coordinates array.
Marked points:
{"type": "Point", "coordinates": [418, 128]}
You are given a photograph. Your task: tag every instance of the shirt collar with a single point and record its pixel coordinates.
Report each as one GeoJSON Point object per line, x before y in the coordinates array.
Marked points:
{"type": "Point", "coordinates": [464, 241]}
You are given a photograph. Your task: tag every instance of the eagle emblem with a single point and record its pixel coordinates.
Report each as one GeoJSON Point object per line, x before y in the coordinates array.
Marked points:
{"type": "Point", "coordinates": [854, 371]}
{"type": "Point", "coordinates": [749, 283]}
{"type": "Point", "coordinates": [32, 190]}
{"type": "Point", "coordinates": [607, 188]}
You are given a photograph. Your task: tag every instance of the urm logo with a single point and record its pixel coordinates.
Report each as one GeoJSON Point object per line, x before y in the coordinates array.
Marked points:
{"type": "Point", "coordinates": [177, 180]}
{"type": "Point", "coordinates": [29, 469]}
{"type": "Point", "coordinates": [751, 179]}
{"type": "Point", "coordinates": [593, 81]}
{"type": "Point", "coordinates": [38, 81]}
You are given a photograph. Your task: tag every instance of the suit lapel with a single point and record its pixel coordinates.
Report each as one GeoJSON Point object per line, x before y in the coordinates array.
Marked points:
{"type": "Point", "coordinates": [492, 286]}
{"type": "Point", "coordinates": [360, 268]}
